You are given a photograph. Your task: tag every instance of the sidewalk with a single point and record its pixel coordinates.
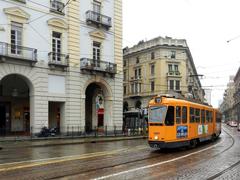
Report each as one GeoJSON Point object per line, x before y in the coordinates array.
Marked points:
{"type": "Point", "coordinates": [9, 144]}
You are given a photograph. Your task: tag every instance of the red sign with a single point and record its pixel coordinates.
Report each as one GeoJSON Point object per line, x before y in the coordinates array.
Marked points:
{"type": "Point", "coordinates": [100, 111]}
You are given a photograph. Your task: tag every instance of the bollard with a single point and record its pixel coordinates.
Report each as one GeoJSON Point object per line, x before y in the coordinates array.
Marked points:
{"type": "Point", "coordinates": [106, 133]}
{"type": "Point", "coordinates": [95, 131]}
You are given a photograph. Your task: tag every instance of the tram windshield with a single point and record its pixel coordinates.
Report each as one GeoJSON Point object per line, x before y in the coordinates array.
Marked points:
{"type": "Point", "coordinates": [157, 114]}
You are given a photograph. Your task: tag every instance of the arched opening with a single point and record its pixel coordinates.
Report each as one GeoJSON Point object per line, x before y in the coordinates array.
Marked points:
{"type": "Point", "coordinates": [125, 106]}
{"type": "Point", "coordinates": [14, 105]}
{"type": "Point", "coordinates": [138, 104]}
{"type": "Point", "coordinates": [96, 113]}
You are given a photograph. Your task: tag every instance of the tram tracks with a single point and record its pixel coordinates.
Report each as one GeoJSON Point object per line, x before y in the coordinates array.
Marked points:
{"type": "Point", "coordinates": [230, 167]}
{"type": "Point", "coordinates": [147, 158]}
{"type": "Point", "coordinates": [130, 159]}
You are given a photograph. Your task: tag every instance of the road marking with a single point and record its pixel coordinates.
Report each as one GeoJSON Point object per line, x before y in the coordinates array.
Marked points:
{"type": "Point", "coordinates": [153, 165]}
{"type": "Point", "coordinates": [40, 162]}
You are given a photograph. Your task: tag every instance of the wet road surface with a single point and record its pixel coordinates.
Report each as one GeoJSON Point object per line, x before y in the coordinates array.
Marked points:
{"type": "Point", "coordinates": [132, 159]}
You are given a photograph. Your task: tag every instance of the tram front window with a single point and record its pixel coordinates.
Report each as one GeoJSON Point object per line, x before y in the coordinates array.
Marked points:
{"type": "Point", "coordinates": [157, 114]}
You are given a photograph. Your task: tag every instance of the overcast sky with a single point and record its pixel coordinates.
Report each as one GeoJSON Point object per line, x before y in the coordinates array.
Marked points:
{"type": "Point", "coordinates": [207, 25]}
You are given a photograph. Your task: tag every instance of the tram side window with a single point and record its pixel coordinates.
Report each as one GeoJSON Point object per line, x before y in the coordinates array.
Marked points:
{"type": "Point", "coordinates": [192, 115]}
{"type": "Point", "coordinates": [197, 115]}
{"type": "Point", "coordinates": [178, 114]}
{"type": "Point", "coordinates": [169, 121]}
{"type": "Point", "coordinates": [210, 116]}
{"type": "Point", "coordinates": [218, 117]}
{"type": "Point", "coordinates": [184, 115]}
{"type": "Point", "coordinates": [203, 116]}
{"type": "Point", "coordinates": [207, 116]}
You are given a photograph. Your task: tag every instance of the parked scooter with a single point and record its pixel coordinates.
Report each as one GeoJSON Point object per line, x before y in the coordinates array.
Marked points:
{"type": "Point", "coordinates": [46, 132]}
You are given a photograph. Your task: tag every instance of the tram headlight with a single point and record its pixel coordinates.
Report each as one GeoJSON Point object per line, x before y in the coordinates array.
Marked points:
{"type": "Point", "coordinates": [156, 137]}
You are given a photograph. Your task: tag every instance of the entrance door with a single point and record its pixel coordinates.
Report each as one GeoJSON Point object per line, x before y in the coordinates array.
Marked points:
{"type": "Point", "coordinates": [2, 120]}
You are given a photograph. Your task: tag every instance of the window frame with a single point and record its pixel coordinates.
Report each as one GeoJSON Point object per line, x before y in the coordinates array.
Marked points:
{"type": "Point", "coordinates": [170, 114]}
{"type": "Point", "coordinates": [184, 115]}
{"type": "Point", "coordinates": [16, 38]}
{"type": "Point", "coordinates": [191, 115]}
{"type": "Point", "coordinates": [152, 86]}
{"type": "Point", "coordinates": [203, 116]}
{"type": "Point", "coordinates": [152, 55]}
{"type": "Point", "coordinates": [152, 69]}
{"type": "Point", "coordinates": [97, 51]}
{"type": "Point", "coordinates": [197, 115]}
{"type": "Point", "coordinates": [57, 45]}
{"type": "Point", "coordinates": [173, 54]}
{"type": "Point", "coordinates": [178, 115]}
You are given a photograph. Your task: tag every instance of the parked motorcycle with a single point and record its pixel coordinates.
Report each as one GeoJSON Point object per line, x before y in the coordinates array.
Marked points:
{"type": "Point", "coordinates": [46, 132]}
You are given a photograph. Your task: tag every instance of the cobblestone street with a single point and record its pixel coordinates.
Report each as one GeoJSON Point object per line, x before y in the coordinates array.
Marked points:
{"type": "Point", "coordinates": [128, 159]}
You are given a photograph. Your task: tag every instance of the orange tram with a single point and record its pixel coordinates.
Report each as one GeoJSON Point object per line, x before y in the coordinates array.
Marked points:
{"type": "Point", "coordinates": [176, 122]}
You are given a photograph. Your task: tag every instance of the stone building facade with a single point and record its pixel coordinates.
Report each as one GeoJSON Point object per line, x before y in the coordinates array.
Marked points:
{"type": "Point", "coordinates": [158, 66]}
{"type": "Point", "coordinates": [236, 96]}
{"type": "Point", "coordinates": [227, 106]}
{"type": "Point", "coordinates": [61, 65]}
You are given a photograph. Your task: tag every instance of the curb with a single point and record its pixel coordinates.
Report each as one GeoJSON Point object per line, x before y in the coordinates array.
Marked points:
{"type": "Point", "coordinates": [81, 141]}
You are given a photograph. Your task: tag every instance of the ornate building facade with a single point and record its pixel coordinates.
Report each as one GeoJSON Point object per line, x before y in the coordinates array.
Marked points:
{"type": "Point", "coordinates": [158, 66]}
{"type": "Point", "coordinates": [61, 64]}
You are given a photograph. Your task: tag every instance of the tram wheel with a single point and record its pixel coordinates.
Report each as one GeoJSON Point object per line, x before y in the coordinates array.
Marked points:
{"type": "Point", "coordinates": [193, 143]}
{"type": "Point", "coordinates": [214, 137]}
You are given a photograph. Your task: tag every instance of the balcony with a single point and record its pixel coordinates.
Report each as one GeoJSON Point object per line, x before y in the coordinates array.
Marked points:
{"type": "Point", "coordinates": [98, 66]}
{"type": "Point", "coordinates": [15, 52]}
{"type": "Point", "coordinates": [98, 19]}
{"type": "Point", "coordinates": [57, 60]}
{"type": "Point", "coordinates": [174, 73]}
{"type": "Point", "coordinates": [57, 7]}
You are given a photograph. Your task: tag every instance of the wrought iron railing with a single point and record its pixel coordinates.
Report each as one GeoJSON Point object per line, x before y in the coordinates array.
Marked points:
{"type": "Point", "coordinates": [98, 19]}
{"type": "Point", "coordinates": [19, 52]}
{"type": "Point", "coordinates": [57, 6]}
{"type": "Point", "coordinates": [67, 131]}
{"type": "Point", "coordinates": [90, 64]}
{"type": "Point", "coordinates": [58, 59]}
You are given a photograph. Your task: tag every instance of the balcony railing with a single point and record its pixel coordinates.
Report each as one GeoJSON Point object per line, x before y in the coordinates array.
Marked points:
{"type": "Point", "coordinates": [56, 6]}
{"type": "Point", "coordinates": [101, 66]}
{"type": "Point", "coordinates": [58, 59]}
{"type": "Point", "coordinates": [18, 52]}
{"type": "Point", "coordinates": [98, 19]}
{"type": "Point", "coordinates": [173, 73]}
